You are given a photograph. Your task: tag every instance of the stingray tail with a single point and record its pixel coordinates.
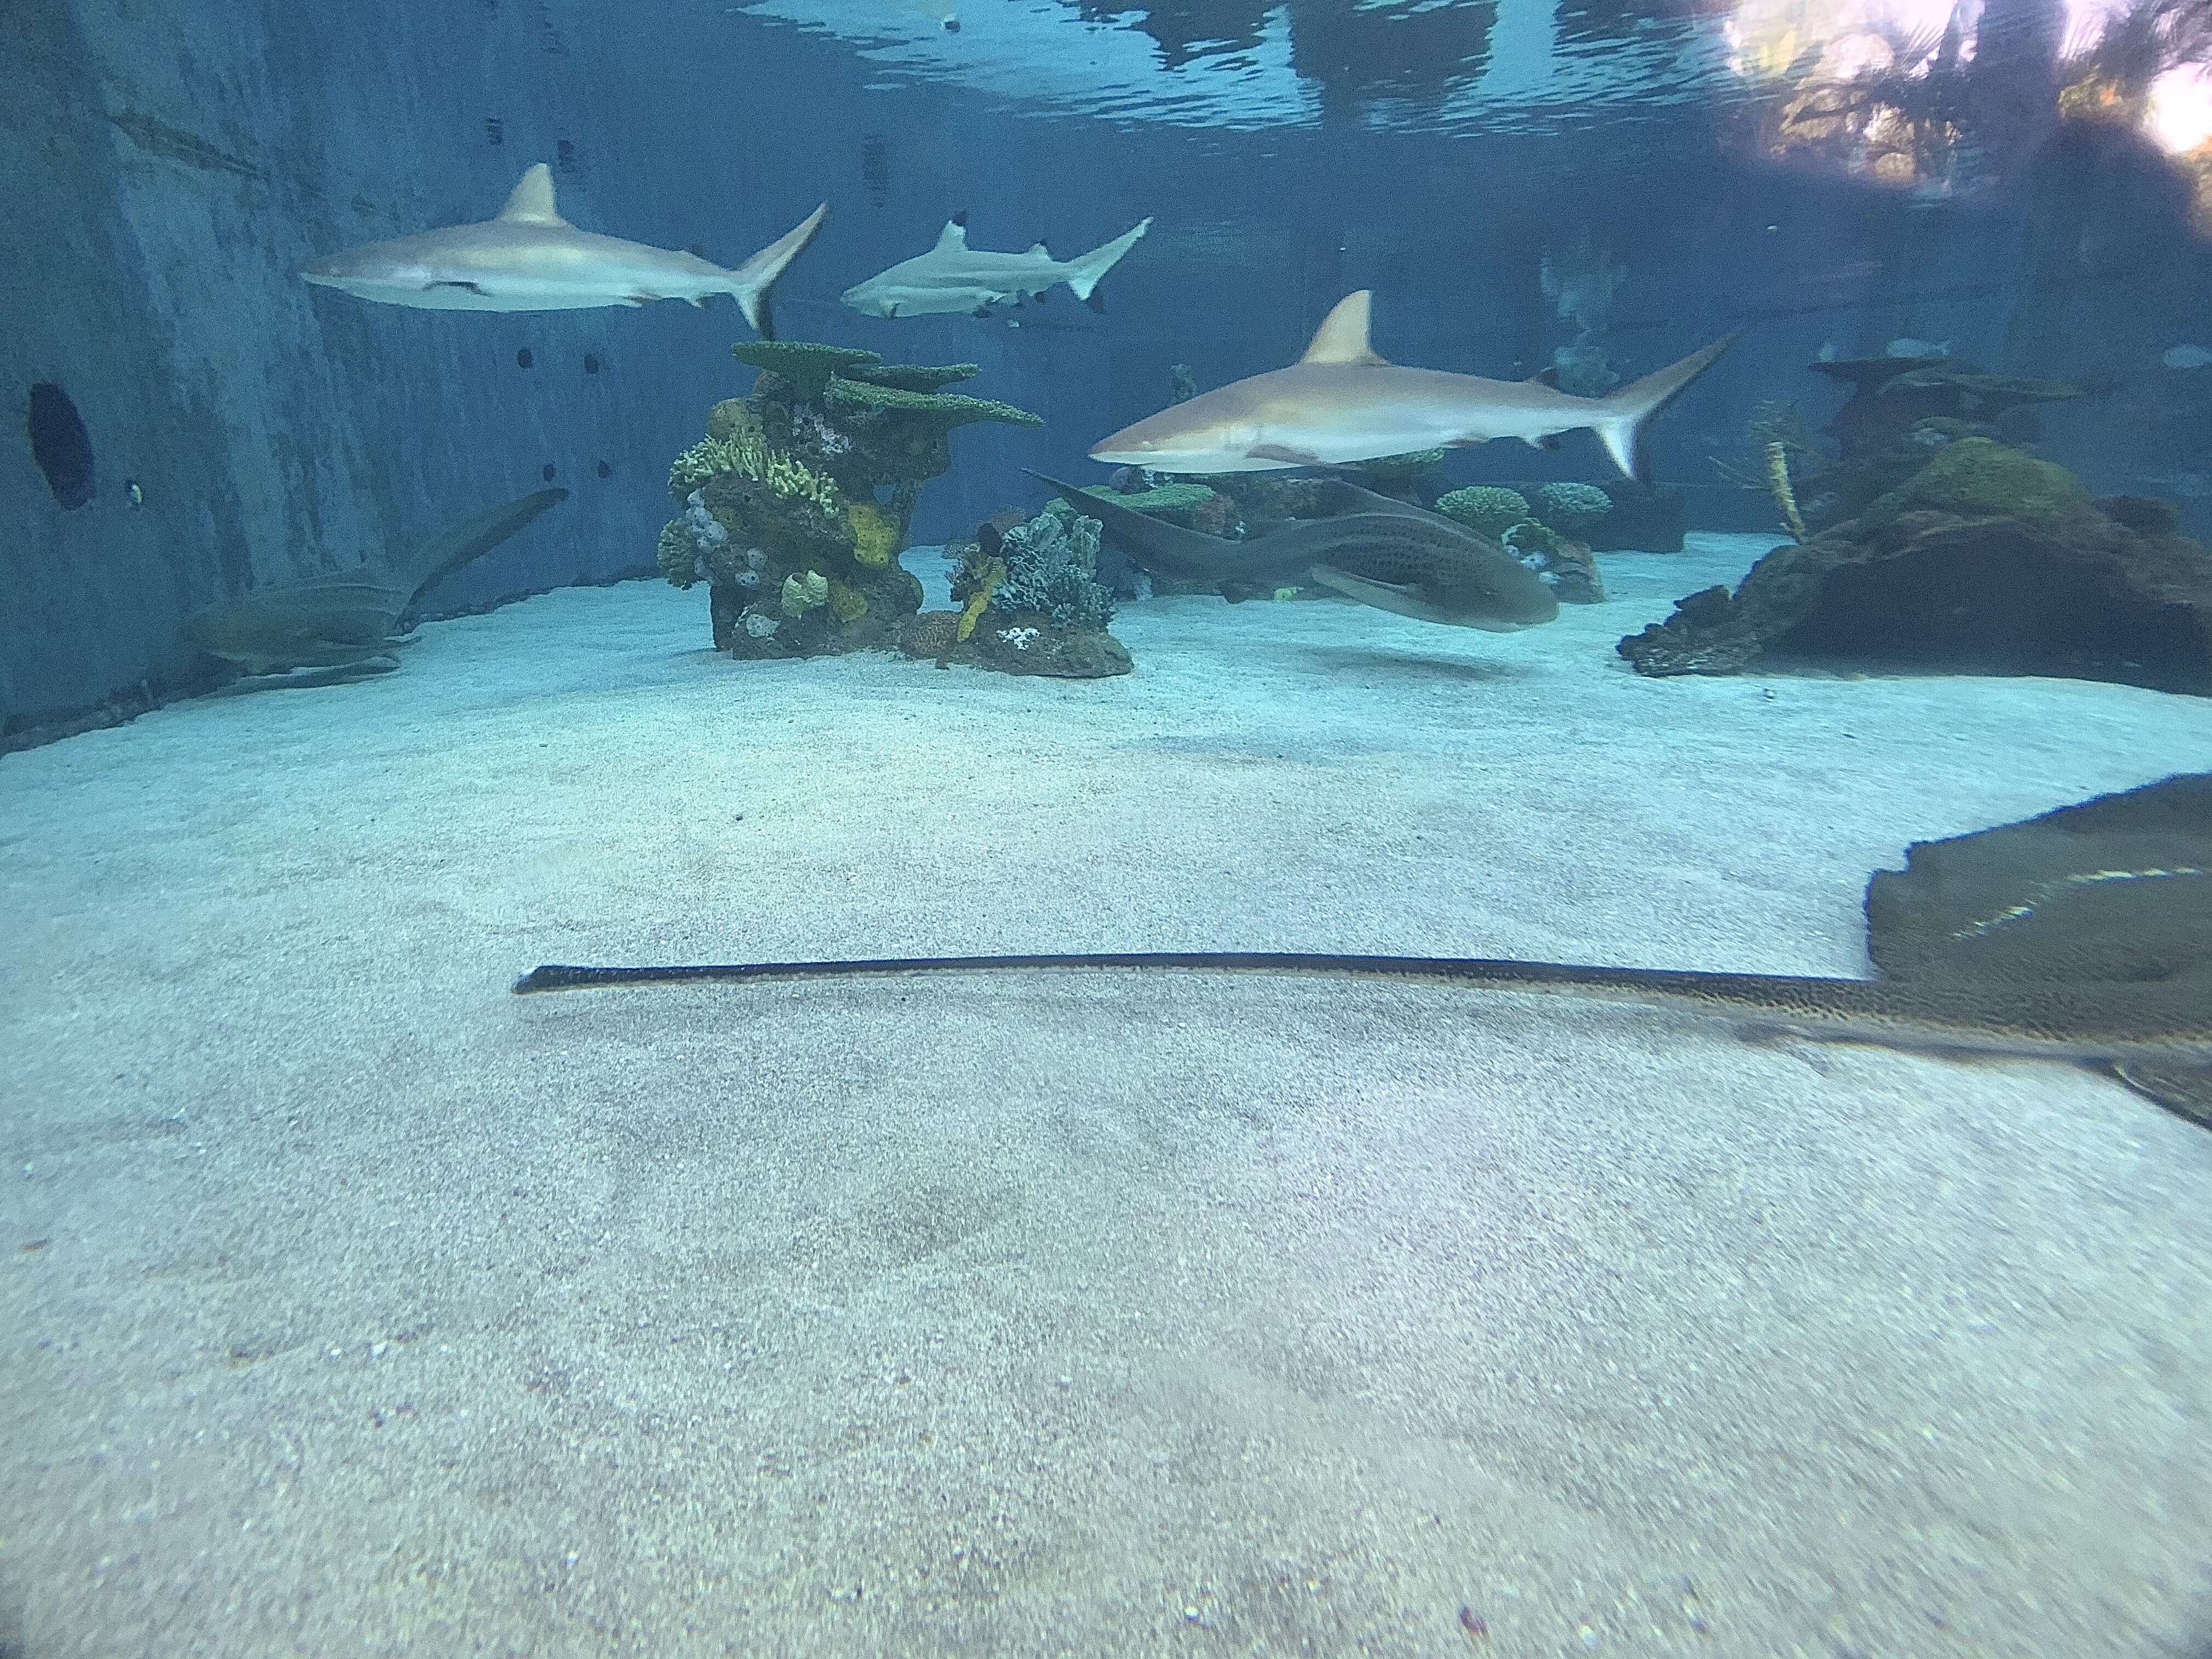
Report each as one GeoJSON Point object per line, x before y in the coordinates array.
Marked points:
{"type": "Point", "coordinates": [1620, 416]}
{"type": "Point", "coordinates": [751, 280]}
{"type": "Point", "coordinates": [1086, 270]}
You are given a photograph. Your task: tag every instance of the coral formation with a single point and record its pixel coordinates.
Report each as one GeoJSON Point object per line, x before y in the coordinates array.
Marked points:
{"type": "Point", "coordinates": [875, 533]}
{"type": "Point", "coordinates": [1485, 509]}
{"type": "Point", "coordinates": [1566, 565]}
{"type": "Point", "coordinates": [803, 591]}
{"type": "Point", "coordinates": [1052, 568]}
{"type": "Point", "coordinates": [990, 572]}
{"type": "Point", "coordinates": [1986, 560]}
{"type": "Point", "coordinates": [804, 364]}
{"type": "Point", "coordinates": [798, 498]}
{"type": "Point", "coordinates": [1571, 508]}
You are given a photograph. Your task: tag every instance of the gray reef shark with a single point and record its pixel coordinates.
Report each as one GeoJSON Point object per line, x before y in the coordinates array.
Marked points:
{"type": "Point", "coordinates": [1341, 402]}
{"type": "Point", "coordinates": [346, 618]}
{"type": "Point", "coordinates": [1385, 553]}
{"type": "Point", "coordinates": [530, 258]}
{"type": "Point", "coordinates": [953, 277]}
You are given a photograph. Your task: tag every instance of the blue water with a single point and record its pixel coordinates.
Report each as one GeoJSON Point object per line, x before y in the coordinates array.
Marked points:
{"type": "Point", "coordinates": [350, 1302]}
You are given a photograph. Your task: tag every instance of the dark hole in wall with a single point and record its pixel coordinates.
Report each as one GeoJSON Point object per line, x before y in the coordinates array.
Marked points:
{"type": "Point", "coordinates": [494, 130]}
{"type": "Point", "coordinates": [547, 472]}
{"type": "Point", "coordinates": [591, 362]}
{"type": "Point", "coordinates": [60, 445]}
{"type": "Point", "coordinates": [605, 470]}
{"type": "Point", "coordinates": [564, 156]}
{"type": "Point", "coordinates": [522, 358]}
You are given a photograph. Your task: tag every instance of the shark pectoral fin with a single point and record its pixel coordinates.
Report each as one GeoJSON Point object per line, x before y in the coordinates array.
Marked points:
{"type": "Point", "coordinates": [638, 299]}
{"type": "Point", "coordinates": [1284, 453]}
{"type": "Point", "coordinates": [699, 301]}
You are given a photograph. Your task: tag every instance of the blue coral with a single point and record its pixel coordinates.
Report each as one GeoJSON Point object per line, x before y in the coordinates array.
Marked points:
{"type": "Point", "coordinates": [1052, 568]}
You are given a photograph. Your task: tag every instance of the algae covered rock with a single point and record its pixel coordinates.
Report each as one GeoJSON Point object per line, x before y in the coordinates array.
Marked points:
{"type": "Point", "coordinates": [1981, 477]}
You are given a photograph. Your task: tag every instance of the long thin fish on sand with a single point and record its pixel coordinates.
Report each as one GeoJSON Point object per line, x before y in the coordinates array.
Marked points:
{"type": "Point", "coordinates": [528, 257]}
{"type": "Point", "coordinates": [1384, 553]}
{"type": "Point", "coordinates": [1341, 402]}
{"type": "Point", "coordinates": [2083, 935]}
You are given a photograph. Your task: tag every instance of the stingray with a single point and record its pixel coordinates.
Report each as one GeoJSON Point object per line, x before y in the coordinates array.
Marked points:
{"type": "Point", "coordinates": [1383, 552]}
{"type": "Point", "coordinates": [349, 617]}
{"type": "Point", "coordinates": [2084, 935]}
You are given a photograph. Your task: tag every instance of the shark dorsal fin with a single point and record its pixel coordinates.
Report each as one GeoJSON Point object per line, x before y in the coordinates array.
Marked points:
{"type": "Point", "coordinates": [1342, 337]}
{"type": "Point", "coordinates": [532, 201]}
{"type": "Point", "coordinates": [1038, 249]}
{"type": "Point", "coordinates": [955, 233]}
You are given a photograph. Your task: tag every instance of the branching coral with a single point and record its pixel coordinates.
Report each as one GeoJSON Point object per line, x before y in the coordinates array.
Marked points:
{"type": "Point", "coordinates": [1571, 508]}
{"type": "Point", "coordinates": [1486, 509]}
{"type": "Point", "coordinates": [745, 451]}
{"type": "Point", "coordinates": [807, 366]}
{"type": "Point", "coordinates": [942, 410]}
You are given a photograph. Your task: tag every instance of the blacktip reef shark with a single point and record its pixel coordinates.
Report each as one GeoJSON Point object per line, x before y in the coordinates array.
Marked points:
{"type": "Point", "coordinates": [1385, 553]}
{"type": "Point", "coordinates": [530, 258]}
{"type": "Point", "coordinates": [346, 618]}
{"type": "Point", "coordinates": [2084, 935]}
{"type": "Point", "coordinates": [1341, 402]}
{"type": "Point", "coordinates": [953, 277]}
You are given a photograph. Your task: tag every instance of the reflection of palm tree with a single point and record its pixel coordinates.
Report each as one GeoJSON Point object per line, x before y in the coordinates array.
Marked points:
{"type": "Point", "coordinates": [1185, 30]}
{"type": "Point", "coordinates": [1401, 49]}
{"type": "Point", "coordinates": [2143, 42]}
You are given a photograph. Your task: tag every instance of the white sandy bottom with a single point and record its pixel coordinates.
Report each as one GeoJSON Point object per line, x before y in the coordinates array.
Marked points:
{"type": "Point", "coordinates": [375, 1310]}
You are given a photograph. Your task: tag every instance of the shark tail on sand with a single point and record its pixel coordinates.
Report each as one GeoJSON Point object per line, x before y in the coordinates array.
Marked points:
{"type": "Point", "coordinates": [1620, 415]}
{"type": "Point", "coordinates": [751, 280]}
{"type": "Point", "coordinates": [1086, 269]}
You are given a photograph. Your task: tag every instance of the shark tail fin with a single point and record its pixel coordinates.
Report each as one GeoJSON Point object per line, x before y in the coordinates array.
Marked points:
{"type": "Point", "coordinates": [1084, 270]}
{"type": "Point", "coordinates": [751, 280]}
{"type": "Point", "coordinates": [1619, 416]}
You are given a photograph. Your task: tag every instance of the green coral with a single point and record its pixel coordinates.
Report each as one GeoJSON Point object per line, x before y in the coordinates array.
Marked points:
{"type": "Point", "coordinates": [914, 377]}
{"type": "Point", "coordinates": [875, 533]}
{"type": "Point", "coordinates": [676, 555]}
{"type": "Point", "coordinates": [803, 591]}
{"type": "Point", "coordinates": [1163, 500]}
{"type": "Point", "coordinates": [745, 451]}
{"type": "Point", "coordinates": [805, 365]}
{"type": "Point", "coordinates": [1980, 478]}
{"type": "Point", "coordinates": [1571, 508]}
{"type": "Point", "coordinates": [942, 410]}
{"type": "Point", "coordinates": [847, 604]}
{"type": "Point", "coordinates": [1486, 509]}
